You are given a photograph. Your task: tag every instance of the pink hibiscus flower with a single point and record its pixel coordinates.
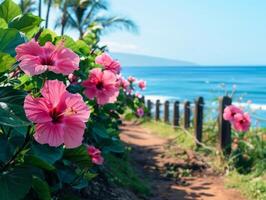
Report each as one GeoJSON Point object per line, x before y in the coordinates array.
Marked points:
{"type": "Point", "coordinates": [95, 155]}
{"type": "Point", "coordinates": [35, 59]}
{"type": "Point", "coordinates": [108, 63]}
{"type": "Point", "coordinates": [72, 78]}
{"type": "Point", "coordinates": [241, 122]}
{"type": "Point", "coordinates": [59, 115]}
{"type": "Point", "coordinates": [138, 95]}
{"type": "Point", "coordinates": [131, 79]}
{"type": "Point", "coordinates": [230, 112]}
{"type": "Point", "coordinates": [103, 85]}
{"type": "Point", "coordinates": [142, 84]}
{"type": "Point", "coordinates": [124, 83]}
{"type": "Point", "coordinates": [140, 112]}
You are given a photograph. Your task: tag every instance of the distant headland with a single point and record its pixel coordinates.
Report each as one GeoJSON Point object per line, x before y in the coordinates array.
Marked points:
{"type": "Point", "coordinates": [135, 60]}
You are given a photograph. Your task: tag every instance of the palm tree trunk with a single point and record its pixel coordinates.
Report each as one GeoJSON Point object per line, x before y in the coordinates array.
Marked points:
{"type": "Point", "coordinates": [48, 13]}
{"type": "Point", "coordinates": [22, 5]}
{"type": "Point", "coordinates": [80, 34]}
{"type": "Point", "coordinates": [62, 29]}
{"type": "Point", "coordinates": [40, 8]}
{"type": "Point", "coordinates": [64, 18]}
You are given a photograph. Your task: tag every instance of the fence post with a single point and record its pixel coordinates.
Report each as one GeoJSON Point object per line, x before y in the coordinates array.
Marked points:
{"type": "Point", "coordinates": [176, 114]}
{"type": "Point", "coordinates": [186, 114]}
{"type": "Point", "coordinates": [224, 135]}
{"type": "Point", "coordinates": [149, 105]}
{"type": "Point", "coordinates": [142, 99]}
{"type": "Point", "coordinates": [166, 111]}
{"type": "Point", "coordinates": [198, 118]}
{"type": "Point", "coordinates": [157, 110]}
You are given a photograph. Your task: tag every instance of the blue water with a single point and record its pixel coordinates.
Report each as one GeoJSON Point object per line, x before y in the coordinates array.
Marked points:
{"type": "Point", "coordinates": [209, 82]}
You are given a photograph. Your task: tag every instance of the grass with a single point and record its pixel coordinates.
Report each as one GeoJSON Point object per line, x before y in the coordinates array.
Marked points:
{"type": "Point", "coordinates": [252, 186]}
{"type": "Point", "coordinates": [167, 131]}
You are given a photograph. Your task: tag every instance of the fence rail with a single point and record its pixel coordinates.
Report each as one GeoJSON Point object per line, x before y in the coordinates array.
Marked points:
{"type": "Point", "coordinates": [224, 127]}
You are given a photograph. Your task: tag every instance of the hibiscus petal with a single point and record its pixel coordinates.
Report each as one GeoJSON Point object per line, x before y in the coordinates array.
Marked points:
{"type": "Point", "coordinates": [37, 109]}
{"type": "Point", "coordinates": [104, 60]}
{"type": "Point", "coordinates": [109, 77]}
{"type": "Point", "coordinates": [90, 92]}
{"type": "Point", "coordinates": [31, 65]}
{"type": "Point", "coordinates": [76, 104]}
{"type": "Point", "coordinates": [54, 90]}
{"type": "Point", "coordinates": [49, 133]}
{"type": "Point", "coordinates": [66, 61]}
{"type": "Point", "coordinates": [31, 48]}
{"type": "Point", "coordinates": [73, 132]}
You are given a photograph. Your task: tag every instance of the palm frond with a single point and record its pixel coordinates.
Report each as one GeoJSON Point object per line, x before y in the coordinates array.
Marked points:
{"type": "Point", "coordinates": [95, 7]}
{"type": "Point", "coordinates": [113, 22]}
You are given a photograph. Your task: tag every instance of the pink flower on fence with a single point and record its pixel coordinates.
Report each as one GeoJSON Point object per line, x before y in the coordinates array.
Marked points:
{"type": "Point", "coordinates": [59, 115]}
{"type": "Point", "coordinates": [35, 59]}
{"type": "Point", "coordinates": [140, 112]}
{"type": "Point", "coordinates": [230, 112]}
{"type": "Point", "coordinates": [103, 85]}
{"type": "Point", "coordinates": [108, 63]}
{"type": "Point", "coordinates": [241, 122]}
{"type": "Point", "coordinates": [142, 84]}
{"type": "Point", "coordinates": [95, 155]}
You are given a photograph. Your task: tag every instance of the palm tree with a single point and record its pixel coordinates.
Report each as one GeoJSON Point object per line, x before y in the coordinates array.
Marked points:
{"type": "Point", "coordinates": [50, 3]}
{"type": "Point", "coordinates": [84, 14]}
{"type": "Point", "coordinates": [27, 6]}
{"type": "Point", "coordinates": [40, 8]}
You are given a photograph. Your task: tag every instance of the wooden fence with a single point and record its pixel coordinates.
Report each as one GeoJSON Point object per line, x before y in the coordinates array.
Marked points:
{"type": "Point", "coordinates": [224, 127]}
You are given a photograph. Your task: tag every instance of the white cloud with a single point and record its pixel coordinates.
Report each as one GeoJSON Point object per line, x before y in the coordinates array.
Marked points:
{"type": "Point", "coordinates": [119, 47]}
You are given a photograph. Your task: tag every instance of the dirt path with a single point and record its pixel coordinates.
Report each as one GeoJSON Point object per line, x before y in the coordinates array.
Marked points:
{"type": "Point", "coordinates": [152, 162]}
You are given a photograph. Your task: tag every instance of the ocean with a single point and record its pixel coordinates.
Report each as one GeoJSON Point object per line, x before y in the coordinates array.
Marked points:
{"type": "Point", "coordinates": [187, 83]}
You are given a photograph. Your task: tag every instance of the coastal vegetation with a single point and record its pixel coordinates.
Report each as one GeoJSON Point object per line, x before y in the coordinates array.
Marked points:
{"type": "Point", "coordinates": [63, 104]}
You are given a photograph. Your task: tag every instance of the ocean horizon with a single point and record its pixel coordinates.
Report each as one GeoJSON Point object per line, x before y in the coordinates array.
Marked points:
{"type": "Point", "coordinates": [187, 83]}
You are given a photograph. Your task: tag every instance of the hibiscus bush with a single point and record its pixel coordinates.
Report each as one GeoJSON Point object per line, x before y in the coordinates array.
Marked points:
{"type": "Point", "coordinates": [248, 147]}
{"type": "Point", "coordinates": [60, 107]}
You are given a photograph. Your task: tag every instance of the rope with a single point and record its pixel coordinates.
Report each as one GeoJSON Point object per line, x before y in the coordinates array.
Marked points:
{"type": "Point", "coordinates": [196, 140]}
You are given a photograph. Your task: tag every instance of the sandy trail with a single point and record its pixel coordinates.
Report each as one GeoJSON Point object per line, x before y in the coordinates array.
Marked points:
{"type": "Point", "coordinates": [147, 155]}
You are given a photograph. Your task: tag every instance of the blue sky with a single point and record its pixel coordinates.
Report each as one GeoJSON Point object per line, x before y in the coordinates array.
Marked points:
{"type": "Point", "coordinates": [207, 32]}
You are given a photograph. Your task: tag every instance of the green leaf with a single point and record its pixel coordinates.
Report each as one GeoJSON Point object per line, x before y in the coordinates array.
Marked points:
{"type": "Point", "coordinates": [47, 153]}
{"type": "Point", "coordinates": [12, 96]}
{"type": "Point", "coordinates": [83, 47]}
{"type": "Point", "coordinates": [3, 23]}
{"type": "Point", "coordinates": [9, 40]}
{"type": "Point", "coordinates": [11, 108]}
{"type": "Point", "coordinates": [41, 188]}
{"type": "Point", "coordinates": [100, 131]}
{"type": "Point", "coordinates": [68, 42]}
{"type": "Point", "coordinates": [9, 10]}
{"type": "Point", "coordinates": [7, 118]}
{"type": "Point", "coordinates": [15, 184]}
{"type": "Point", "coordinates": [37, 162]}
{"type": "Point", "coordinates": [6, 62]}
{"type": "Point", "coordinates": [116, 146]}
{"type": "Point", "coordinates": [68, 175]}
{"type": "Point", "coordinates": [78, 155]}
{"type": "Point", "coordinates": [4, 153]}
{"type": "Point", "coordinates": [46, 36]}
{"type": "Point", "coordinates": [27, 23]}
